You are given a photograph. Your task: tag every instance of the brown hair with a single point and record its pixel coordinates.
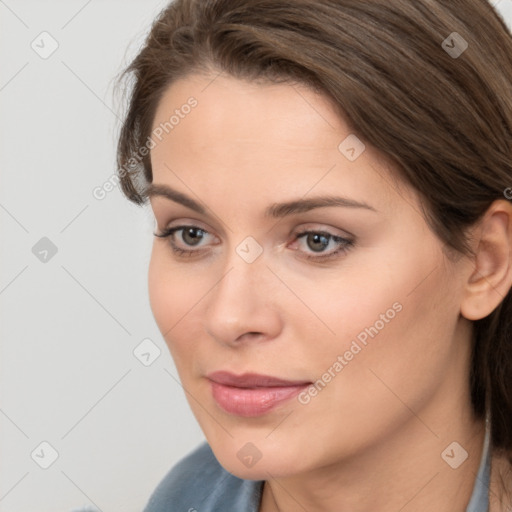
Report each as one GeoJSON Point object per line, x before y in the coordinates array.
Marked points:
{"type": "Point", "coordinates": [444, 120]}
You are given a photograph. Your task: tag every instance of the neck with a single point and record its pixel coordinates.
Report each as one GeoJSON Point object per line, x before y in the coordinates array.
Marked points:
{"type": "Point", "coordinates": [404, 472]}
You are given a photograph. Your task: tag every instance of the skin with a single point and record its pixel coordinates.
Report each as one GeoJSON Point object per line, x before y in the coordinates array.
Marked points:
{"type": "Point", "coordinates": [372, 438]}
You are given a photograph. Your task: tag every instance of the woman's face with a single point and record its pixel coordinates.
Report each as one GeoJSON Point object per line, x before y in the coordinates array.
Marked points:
{"type": "Point", "coordinates": [349, 304]}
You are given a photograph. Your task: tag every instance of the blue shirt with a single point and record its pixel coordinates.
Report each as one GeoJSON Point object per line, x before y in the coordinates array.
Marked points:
{"type": "Point", "coordinates": [198, 483]}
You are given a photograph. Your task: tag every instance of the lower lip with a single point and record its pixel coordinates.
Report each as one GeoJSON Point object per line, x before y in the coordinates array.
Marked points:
{"type": "Point", "coordinates": [251, 402]}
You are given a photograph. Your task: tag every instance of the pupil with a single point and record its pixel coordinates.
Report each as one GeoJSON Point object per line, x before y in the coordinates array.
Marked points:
{"type": "Point", "coordinates": [318, 239]}
{"type": "Point", "coordinates": [192, 233]}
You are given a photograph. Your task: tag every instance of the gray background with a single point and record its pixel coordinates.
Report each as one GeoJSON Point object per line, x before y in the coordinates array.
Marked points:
{"type": "Point", "coordinates": [72, 320]}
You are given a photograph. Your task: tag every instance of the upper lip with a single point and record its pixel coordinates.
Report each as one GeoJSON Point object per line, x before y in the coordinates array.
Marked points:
{"type": "Point", "coordinates": [252, 380]}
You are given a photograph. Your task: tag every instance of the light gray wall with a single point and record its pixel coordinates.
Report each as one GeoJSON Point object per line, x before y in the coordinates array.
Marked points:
{"type": "Point", "coordinates": [70, 324]}
{"type": "Point", "coordinates": [71, 320]}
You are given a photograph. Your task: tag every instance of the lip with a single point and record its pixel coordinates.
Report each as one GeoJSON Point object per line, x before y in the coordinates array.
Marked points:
{"type": "Point", "coordinates": [252, 394]}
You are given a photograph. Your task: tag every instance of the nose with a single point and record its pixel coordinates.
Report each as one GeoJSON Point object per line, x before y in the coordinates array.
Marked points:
{"type": "Point", "coordinates": [243, 307]}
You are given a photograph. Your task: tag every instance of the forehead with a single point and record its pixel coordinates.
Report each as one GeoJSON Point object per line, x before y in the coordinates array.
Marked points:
{"type": "Point", "coordinates": [277, 114]}
{"type": "Point", "coordinates": [259, 137]}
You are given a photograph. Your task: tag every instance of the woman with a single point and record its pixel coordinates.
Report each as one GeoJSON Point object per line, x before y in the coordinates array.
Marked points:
{"type": "Point", "coordinates": [331, 269]}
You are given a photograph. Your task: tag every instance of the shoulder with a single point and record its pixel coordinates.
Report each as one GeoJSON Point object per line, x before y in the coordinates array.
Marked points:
{"type": "Point", "coordinates": [199, 483]}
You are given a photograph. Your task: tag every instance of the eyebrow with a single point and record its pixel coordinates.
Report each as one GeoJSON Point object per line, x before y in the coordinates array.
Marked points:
{"type": "Point", "coordinates": [276, 210]}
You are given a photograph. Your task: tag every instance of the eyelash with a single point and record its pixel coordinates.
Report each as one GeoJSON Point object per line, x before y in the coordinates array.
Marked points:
{"type": "Point", "coordinates": [344, 243]}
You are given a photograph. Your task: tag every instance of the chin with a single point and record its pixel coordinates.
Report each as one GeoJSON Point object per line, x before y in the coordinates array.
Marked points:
{"type": "Point", "coordinates": [262, 470]}
{"type": "Point", "coordinates": [257, 460]}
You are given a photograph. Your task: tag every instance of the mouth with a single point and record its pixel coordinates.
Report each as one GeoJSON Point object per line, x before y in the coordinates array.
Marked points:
{"type": "Point", "coordinates": [251, 394]}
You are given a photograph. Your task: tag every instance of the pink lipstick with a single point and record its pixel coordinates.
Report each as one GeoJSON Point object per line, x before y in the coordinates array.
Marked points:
{"type": "Point", "coordinates": [251, 394]}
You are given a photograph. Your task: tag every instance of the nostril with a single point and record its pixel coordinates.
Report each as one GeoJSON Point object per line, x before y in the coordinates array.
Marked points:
{"type": "Point", "coordinates": [251, 334]}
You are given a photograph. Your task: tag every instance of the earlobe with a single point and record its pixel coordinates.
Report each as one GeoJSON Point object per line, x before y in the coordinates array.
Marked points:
{"type": "Point", "coordinates": [490, 275]}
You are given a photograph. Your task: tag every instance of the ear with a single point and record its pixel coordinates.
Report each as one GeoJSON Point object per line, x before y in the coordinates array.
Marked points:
{"type": "Point", "coordinates": [490, 270]}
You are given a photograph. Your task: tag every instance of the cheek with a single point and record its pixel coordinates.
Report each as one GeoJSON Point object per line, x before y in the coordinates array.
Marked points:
{"type": "Point", "coordinates": [398, 321]}
{"type": "Point", "coordinates": [355, 320]}
{"type": "Point", "coordinates": [402, 361]}
{"type": "Point", "coordinates": [172, 293]}
{"type": "Point", "coordinates": [341, 304]}
{"type": "Point", "coordinates": [176, 296]}
{"type": "Point", "coordinates": [161, 298]}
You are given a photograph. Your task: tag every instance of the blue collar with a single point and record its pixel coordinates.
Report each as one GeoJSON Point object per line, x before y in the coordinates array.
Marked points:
{"type": "Point", "coordinates": [479, 501]}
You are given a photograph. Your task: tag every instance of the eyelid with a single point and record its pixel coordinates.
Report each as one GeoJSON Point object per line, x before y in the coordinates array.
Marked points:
{"type": "Point", "coordinates": [324, 228]}
{"type": "Point", "coordinates": [170, 217]}
{"type": "Point", "coordinates": [183, 221]}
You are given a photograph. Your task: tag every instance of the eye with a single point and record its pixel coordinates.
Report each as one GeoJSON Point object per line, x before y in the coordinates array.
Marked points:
{"type": "Point", "coordinates": [191, 236]}
{"type": "Point", "coordinates": [313, 243]}
{"type": "Point", "coordinates": [319, 241]}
